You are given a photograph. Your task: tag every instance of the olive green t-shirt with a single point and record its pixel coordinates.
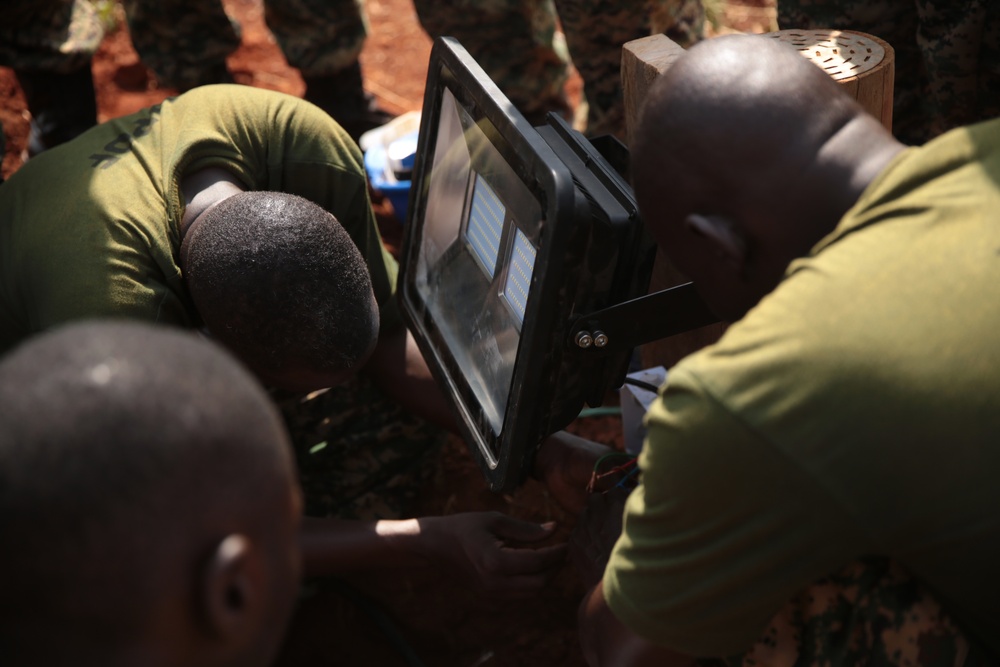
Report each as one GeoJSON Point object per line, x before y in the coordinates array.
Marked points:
{"type": "Point", "coordinates": [855, 411]}
{"type": "Point", "coordinates": [91, 228]}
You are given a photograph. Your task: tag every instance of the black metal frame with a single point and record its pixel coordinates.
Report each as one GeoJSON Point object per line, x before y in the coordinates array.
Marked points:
{"type": "Point", "coordinates": [594, 261]}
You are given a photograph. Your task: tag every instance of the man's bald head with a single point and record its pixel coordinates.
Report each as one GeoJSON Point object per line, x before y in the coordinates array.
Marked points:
{"type": "Point", "coordinates": [130, 457]}
{"type": "Point", "coordinates": [745, 156]}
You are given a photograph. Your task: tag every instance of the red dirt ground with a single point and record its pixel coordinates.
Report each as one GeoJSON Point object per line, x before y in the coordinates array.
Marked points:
{"type": "Point", "coordinates": [444, 622]}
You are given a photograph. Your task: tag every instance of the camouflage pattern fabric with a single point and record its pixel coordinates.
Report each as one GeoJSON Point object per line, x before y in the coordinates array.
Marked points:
{"type": "Point", "coordinates": [186, 43]}
{"type": "Point", "coordinates": [319, 37]}
{"type": "Point", "coordinates": [57, 36]}
{"type": "Point", "coordinates": [513, 40]}
{"type": "Point", "coordinates": [595, 32]}
{"type": "Point", "coordinates": [360, 455]}
{"type": "Point", "coordinates": [46, 41]}
{"type": "Point", "coordinates": [947, 55]}
{"type": "Point", "coordinates": [870, 613]}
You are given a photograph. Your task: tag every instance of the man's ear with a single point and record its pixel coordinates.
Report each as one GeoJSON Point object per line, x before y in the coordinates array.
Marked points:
{"type": "Point", "coordinates": [231, 587]}
{"type": "Point", "coordinates": [722, 234]}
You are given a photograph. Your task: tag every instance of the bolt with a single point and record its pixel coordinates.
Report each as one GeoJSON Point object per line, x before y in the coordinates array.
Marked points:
{"type": "Point", "coordinates": [583, 339]}
{"type": "Point", "coordinates": [600, 339]}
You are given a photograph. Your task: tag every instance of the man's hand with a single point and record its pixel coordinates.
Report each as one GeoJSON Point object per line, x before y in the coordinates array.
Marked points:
{"type": "Point", "coordinates": [565, 463]}
{"type": "Point", "coordinates": [484, 546]}
{"type": "Point", "coordinates": [487, 547]}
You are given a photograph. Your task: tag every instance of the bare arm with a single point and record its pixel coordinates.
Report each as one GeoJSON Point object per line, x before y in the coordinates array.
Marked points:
{"type": "Point", "coordinates": [565, 463]}
{"type": "Point", "coordinates": [607, 641]}
{"type": "Point", "coordinates": [604, 639]}
{"type": "Point", "coordinates": [399, 370]}
{"type": "Point", "coordinates": [475, 544]}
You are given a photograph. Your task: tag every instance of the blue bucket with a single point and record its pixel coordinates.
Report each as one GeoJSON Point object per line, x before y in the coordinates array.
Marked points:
{"type": "Point", "coordinates": [389, 157]}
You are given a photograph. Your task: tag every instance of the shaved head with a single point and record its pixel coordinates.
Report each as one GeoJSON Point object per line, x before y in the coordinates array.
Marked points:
{"type": "Point", "coordinates": [127, 452]}
{"type": "Point", "coordinates": [279, 281]}
{"type": "Point", "coordinates": [746, 155]}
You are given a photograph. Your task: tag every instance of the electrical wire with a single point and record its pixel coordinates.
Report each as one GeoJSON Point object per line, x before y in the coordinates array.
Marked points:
{"type": "Point", "coordinates": [602, 411]}
{"type": "Point", "coordinates": [642, 385]}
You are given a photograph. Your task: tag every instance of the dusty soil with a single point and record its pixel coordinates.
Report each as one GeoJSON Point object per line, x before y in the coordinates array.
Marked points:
{"type": "Point", "coordinates": [441, 620]}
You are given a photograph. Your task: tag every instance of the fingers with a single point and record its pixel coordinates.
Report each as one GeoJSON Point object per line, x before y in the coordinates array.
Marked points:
{"type": "Point", "coordinates": [510, 561]}
{"type": "Point", "coordinates": [508, 528]}
{"type": "Point", "coordinates": [514, 560]}
{"type": "Point", "coordinates": [519, 586]}
{"type": "Point", "coordinates": [523, 572]}
{"type": "Point", "coordinates": [493, 552]}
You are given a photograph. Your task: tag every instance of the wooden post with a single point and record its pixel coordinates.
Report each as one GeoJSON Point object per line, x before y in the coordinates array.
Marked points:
{"type": "Point", "coordinates": [643, 60]}
{"type": "Point", "coordinates": [862, 64]}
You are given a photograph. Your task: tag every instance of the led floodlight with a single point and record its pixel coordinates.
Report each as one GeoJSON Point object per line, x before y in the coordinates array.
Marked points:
{"type": "Point", "coordinates": [515, 238]}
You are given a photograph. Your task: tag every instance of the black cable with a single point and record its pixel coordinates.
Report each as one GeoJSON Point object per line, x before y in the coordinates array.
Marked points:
{"type": "Point", "coordinates": [642, 385]}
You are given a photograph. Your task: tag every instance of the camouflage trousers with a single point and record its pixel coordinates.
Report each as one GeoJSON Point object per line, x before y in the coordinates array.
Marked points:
{"type": "Point", "coordinates": [185, 42]}
{"type": "Point", "coordinates": [595, 32]}
{"type": "Point", "coordinates": [360, 455]}
{"type": "Point", "coordinates": [515, 43]}
{"type": "Point", "coordinates": [947, 55]}
{"type": "Point", "coordinates": [57, 36]}
{"type": "Point", "coordinates": [871, 613]}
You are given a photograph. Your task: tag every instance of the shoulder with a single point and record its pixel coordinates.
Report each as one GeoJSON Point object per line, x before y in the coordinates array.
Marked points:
{"type": "Point", "coordinates": [256, 117]}
{"type": "Point", "coordinates": [958, 169]}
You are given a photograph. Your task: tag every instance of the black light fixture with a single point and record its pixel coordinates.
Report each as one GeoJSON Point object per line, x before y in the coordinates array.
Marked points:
{"type": "Point", "coordinates": [524, 266]}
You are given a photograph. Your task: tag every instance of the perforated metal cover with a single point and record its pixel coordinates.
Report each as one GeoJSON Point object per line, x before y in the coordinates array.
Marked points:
{"type": "Point", "coordinates": [842, 54]}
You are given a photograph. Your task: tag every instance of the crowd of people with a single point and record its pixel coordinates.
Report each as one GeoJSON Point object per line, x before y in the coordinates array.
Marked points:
{"type": "Point", "coordinates": [204, 300]}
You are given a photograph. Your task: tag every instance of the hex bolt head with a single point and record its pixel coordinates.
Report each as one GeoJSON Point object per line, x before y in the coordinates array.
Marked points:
{"type": "Point", "coordinates": [583, 339]}
{"type": "Point", "coordinates": [600, 339]}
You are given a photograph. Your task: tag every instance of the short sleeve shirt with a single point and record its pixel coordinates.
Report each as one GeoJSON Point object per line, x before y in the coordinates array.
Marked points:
{"type": "Point", "coordinates": [855, 411]}
{"type": "Point", "coordinates": [92, 228]}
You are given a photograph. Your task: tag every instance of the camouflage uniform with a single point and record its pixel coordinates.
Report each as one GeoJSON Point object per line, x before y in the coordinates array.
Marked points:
{"type": "Point", "coordinates": [513, 41]}
{"type": "Point", "coordinates": [947, 55]}
{"type": "Point", "coordinates": [360, 455]}
{"type": "Point", "coordinates": [597, 29]}
{"type": "Point", "coordinates": [186, 43]}
{"type": "Point", "coordinates": [870, 613]}
{"type": "Point", "coordinates": [49, 44]}
{"type": "Point", "coordinates": [57, 36]}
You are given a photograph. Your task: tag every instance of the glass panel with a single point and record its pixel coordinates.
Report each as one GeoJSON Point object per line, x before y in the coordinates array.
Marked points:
{"type": "Point", "coordinates": [475, 203]}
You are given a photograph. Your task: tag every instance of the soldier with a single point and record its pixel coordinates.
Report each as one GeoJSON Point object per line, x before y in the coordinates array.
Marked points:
{"type": "Point", "coordinates": [243, 214]}
{"type": "Point", "coordinates": [817, 486]}
{"type": "Point", "coordinates": [513, 40]}
{"type": "Point", "coordinates": [947, 56]}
